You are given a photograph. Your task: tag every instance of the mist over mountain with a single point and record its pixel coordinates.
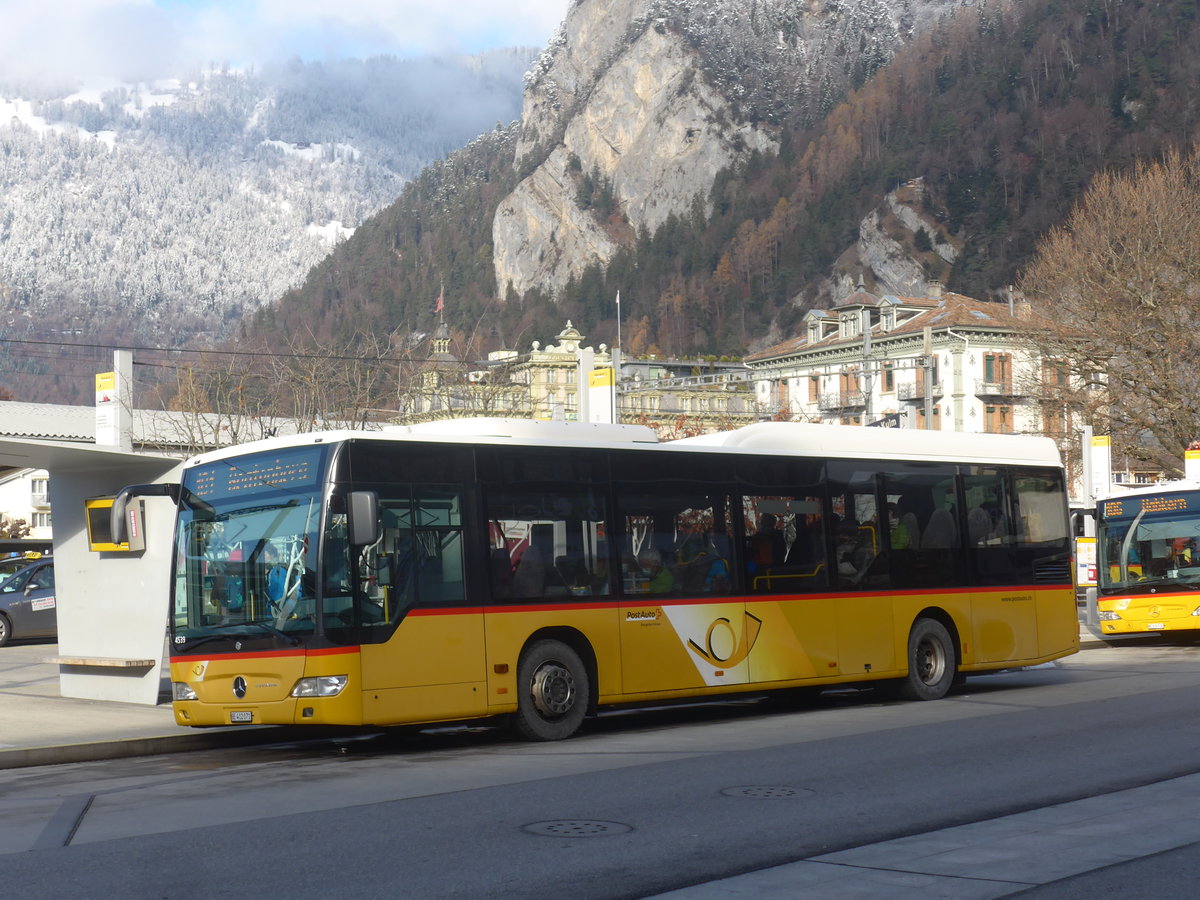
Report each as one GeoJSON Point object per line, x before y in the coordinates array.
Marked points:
{"type": "Point", "coordinates": [191, 203]}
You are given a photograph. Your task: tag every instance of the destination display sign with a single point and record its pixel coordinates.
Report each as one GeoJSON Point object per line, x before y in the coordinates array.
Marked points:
{"type": "Point", "coordinates": [1150, 505]}
{"type": "Point", "coordinates": [293, 468]}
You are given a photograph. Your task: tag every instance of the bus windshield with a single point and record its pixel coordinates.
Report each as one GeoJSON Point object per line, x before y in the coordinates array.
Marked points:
{"type": "Point", "coordinates": [1146, 544]}
{"type": "Point", "coordinates": [246, 548]}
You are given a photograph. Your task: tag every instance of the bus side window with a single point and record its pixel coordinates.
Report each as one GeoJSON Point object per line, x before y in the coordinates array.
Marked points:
{"type": "Point", "coordinates": [675, 542]}
{"type": "Point", "coordinates": [1041, 512]}
{"type": "Point", "coordinates": [546, 543]}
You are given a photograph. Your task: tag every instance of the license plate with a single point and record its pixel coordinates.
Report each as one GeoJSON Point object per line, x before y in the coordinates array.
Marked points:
{"type": "Point", "coordinates": [239, 716]}
{"type": "Point", "coordinates": [1155, 626]}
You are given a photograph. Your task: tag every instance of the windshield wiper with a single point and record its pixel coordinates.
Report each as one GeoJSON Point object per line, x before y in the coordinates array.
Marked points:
{"type": "Point", "coordinates": [269, 629]}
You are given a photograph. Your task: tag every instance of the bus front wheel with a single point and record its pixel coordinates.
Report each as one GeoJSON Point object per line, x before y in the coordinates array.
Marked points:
{"type": "Point", "coordinates": [552, 686]}
{"type": "Point", "coordinates": [931, 662]}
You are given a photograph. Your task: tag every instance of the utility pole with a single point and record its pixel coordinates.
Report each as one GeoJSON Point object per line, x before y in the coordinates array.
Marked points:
{"type": "Point", "coordinates": [927, 362]}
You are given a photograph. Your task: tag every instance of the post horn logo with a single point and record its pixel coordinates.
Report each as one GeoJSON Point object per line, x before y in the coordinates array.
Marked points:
{"type": "Point", "coordinates": [741, 648]}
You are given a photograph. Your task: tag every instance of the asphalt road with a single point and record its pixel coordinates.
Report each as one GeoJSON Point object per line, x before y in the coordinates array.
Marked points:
{"type": "Point", "coordinates": [640, 804]}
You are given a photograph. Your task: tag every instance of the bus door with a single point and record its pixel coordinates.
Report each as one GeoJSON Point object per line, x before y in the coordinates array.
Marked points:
{"type": "Point", "coordinates": [682, 625]}
{"type": "Point", "coordinates": [862, 539]}
{"type": "Point", "coordinates": [787, 572]}
{"type": "Point", "coordinates": [422, 645]}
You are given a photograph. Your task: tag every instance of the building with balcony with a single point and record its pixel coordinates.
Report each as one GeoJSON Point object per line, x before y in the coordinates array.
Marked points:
{"type": "Point", "coordinates": [25, 497]}
{"type": "Point", "coordinates": [554, 381]}
{"type": "Point", "coordinates": [945, 361]}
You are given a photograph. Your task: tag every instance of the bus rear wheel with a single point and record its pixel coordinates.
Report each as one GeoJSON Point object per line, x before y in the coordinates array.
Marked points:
{"type": "Point", "coordinates": [552, 686]}
{"type": "Point", "coordinates": [931, 662]}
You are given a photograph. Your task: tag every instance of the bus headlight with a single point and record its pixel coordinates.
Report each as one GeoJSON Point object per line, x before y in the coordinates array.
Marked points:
{"type": "Point", "coordinates": [320, 686]}
{"type": "Point", "coordinates": [181, 690]}
{"type": "Point", "coordinates": [1105, 616]}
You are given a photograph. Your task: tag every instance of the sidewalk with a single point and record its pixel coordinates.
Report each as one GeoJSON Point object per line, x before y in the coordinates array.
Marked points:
{"type": "Point", "coordinates": [40, 727]}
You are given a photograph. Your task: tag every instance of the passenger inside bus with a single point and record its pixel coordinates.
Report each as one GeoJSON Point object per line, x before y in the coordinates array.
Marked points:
{"type": "Point", "coordinates": [659, 577]}
{"type": "Point", "coordinates": [853, 554]}
{"type": "Point", "coordinates": [529, 579]}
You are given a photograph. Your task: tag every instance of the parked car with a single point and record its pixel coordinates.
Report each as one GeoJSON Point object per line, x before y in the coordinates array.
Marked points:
{"type": "Point", "coordinates": [27, 605]}
{"type": "Point", "coordinates": [12, 564]}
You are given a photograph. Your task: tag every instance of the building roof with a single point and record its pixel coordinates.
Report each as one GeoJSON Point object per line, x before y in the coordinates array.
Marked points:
{"type": "Point", "coordinates": [947, 311]}
{"type": "Point", "coordinates": [158, 428]}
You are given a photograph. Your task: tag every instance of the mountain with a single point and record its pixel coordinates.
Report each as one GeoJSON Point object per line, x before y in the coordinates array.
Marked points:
{"type": "Point", "coordinates": [191, 203]}
{"type": "Point", "coordinates": [856, 143]}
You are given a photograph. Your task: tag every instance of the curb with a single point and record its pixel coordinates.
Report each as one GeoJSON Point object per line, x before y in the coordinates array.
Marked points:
{"type": "Point", "coordinates": [122, 748]}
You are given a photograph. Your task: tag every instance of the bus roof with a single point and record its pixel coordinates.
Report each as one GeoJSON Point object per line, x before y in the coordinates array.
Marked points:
{"type": "Point", "coordinates": [1161, 487]}
{"type": "Point", "coordinates": [767, 438]}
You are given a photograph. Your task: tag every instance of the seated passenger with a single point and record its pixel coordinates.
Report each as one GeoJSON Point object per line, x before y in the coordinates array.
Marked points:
{"type": "Point", "coordinates": [529, 579]}
{"type": "Point", "coordinates": [852, 553]}
{"type": "Point", "coordinates": [661, 579]}
{"type": "Point", "coordinates": [940, 533]}
{"type": "Point", "coordinates": [899, 535]}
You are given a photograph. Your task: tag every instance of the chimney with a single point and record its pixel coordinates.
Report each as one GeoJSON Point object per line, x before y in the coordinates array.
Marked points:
{"type": "Point", "coordinates": [934, 290]}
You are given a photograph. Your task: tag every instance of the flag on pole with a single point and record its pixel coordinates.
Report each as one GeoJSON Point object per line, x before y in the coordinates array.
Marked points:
{"type": "Point", "coordinates": [441, 301]}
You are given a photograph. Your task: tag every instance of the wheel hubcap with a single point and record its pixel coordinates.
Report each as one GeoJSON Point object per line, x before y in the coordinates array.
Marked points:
{"type": "Point", "coordinates": [931, 662]}
{"type": "Point", "coordinates": [553, 689]}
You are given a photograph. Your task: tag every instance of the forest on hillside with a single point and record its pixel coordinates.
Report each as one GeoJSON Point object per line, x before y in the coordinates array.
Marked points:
{"type": "Point", "coordinates": [192, 203]}
{"type": "Point", "coordinates": [1005, 111]}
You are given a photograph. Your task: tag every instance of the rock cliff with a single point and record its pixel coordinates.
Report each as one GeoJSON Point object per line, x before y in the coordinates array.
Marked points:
{"type": "Point", "coordinates": [624, 98]}
{"type": "Point", "coordinates": [890, 252]}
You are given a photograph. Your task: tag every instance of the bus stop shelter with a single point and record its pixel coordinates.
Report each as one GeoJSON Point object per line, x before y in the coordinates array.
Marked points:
{"type": "Point", "coordinates": [112, 605]}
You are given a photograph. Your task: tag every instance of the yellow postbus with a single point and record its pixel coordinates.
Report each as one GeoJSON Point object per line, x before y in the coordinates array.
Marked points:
{"type": "Point", "coordinates": [1148, 559]}
{"type": "Point", "coordinates": [542, 571]}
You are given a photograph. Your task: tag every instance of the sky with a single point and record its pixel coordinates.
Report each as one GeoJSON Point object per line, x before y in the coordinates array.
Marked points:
{"type": "Point", "coordinates": [92, 41]}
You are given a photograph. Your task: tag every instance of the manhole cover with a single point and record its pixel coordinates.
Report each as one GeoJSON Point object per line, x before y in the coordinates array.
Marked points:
{"type": "Point", "coordinates": [577, 828]}
{"type": "Point", "coordinates": [767, 792]}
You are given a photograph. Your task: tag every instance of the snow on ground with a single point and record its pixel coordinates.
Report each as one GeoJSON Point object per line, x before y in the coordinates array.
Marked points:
{"type": "Point", "coordinates": [22, 111]}
{"type": "Point", "coordinates": [330, 234]}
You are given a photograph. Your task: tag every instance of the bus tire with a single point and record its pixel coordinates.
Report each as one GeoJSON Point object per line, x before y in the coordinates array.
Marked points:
{"type": "Point", "coordinates": [932, 662]}
{"type": "Point", "coordinates": [552, 692]}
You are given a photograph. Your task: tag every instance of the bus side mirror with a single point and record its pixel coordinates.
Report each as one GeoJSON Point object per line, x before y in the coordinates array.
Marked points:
{"type": "Point", "coordinates": [363, 519]}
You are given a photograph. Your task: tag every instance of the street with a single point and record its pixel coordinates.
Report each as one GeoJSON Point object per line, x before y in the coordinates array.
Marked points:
{"type": "Point", "coordinates": [641, 803]}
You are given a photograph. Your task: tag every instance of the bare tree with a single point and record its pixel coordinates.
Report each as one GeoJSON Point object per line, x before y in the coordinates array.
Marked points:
{"type": "Point", "coordinates": [1116, 290]}
{"type": "Point", "coordinates": [220, 399]}
{"type": "Point", "coordinates": [326, 386]}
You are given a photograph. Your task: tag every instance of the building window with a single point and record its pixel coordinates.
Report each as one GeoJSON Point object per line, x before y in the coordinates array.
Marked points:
{"type": "Point", "coordinates": [928, 375]}
{"type": "Point", "coordinates": [41, 520]}
{"type": "Point", "coordinates": [937, 418]}
{"type": "Point", "coordinates": [1054, 373]}
{"type": "Point", "coordinates": [889, 378]}
{"type": "Point", "coordinates": [1144, 478]}
{"type": "Point", "coordinates": [997, 368]}
{"type": "Point", "coordinates": [998, 419]}
{"type": "Point", "coordinates": [814, 388]}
